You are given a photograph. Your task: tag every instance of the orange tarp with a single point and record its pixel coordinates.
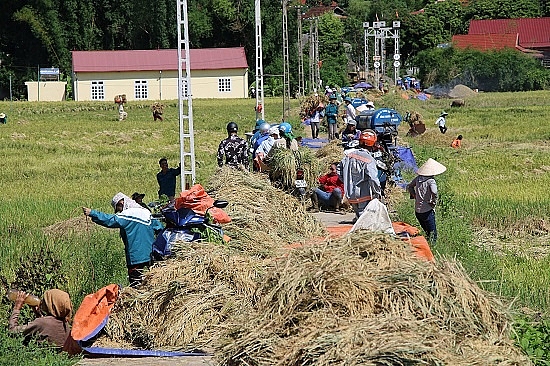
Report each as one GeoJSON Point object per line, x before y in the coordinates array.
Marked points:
{"type": "Point", "coordinates": [93, 311]}
{"type": "Point", "coordinates": [196, 199]}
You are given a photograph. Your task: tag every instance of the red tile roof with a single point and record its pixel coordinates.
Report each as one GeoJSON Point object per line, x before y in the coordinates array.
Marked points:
{"type": "Point", "coordinates": [484, 42]}
{"type": "Point", "coordinates": [317, 11]}
{"type": "Point", "coordinates": [533, 32]}
{"type": "Point", "coordinates": [155, 60]}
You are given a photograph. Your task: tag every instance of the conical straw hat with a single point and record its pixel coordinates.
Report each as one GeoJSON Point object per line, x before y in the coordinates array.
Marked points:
{"type": "Point", "coordinates": [431, 167]}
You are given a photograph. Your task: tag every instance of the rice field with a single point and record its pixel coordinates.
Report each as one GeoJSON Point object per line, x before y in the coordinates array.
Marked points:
{"type": "Point", "coordinates": [56, 157]}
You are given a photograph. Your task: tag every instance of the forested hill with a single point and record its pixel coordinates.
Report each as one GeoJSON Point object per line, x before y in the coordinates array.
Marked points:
{"type": "Point", "coordinates": [43, 32]}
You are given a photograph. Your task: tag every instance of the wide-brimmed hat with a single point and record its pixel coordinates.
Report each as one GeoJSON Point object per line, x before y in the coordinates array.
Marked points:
{"type": "Point", "coordinates": [352, 122]}
{"type": "Point", "coordinates": [431, 167]}
{"type": "Point", "coordinates": [137, 195]}
{"type": "Point", "coordinates": [332, 96]}
{"type": "Point", "coordinates": [2, 115]}
{"type": "Point", "coordinates": [370, 104]}
{"type": "Point", "coordinates": [347, 99]}
{"type": "Point", "coordinates": [443, 114]}
{"type": "Point", "coordinates": [274, 130]}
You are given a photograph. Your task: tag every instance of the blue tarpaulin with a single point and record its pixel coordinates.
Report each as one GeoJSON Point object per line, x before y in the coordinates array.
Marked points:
{"type": "Point", "coordinates": [119, 352]}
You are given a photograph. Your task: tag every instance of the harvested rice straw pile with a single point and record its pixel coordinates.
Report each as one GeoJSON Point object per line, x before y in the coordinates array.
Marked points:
{"type": "Point", "coordinates": [75, 225]}
{"type": "Point", "coordinates": [365, 299]}
{"type": "Point", "coordinates": [332, 152]}
{"type": "Point", "coordinates": [263, 219]}
{"type": "Point", "coordinates": [183, 300]}
{"type": "Point", "coordinates": [283, 164]}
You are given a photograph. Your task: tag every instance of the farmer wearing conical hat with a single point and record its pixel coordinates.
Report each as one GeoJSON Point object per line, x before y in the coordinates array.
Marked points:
{"type": "Point", "coordinates": [440, 122]}
{"type": "Point", "coordinates": [424, 191]}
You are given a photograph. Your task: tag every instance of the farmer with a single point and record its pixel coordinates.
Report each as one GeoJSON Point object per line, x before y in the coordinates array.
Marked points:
{"type": "Point", "coordinates": [166, 179]}
{"type": "Point", "coordinates": [260, 136]}
{"type": "Point", "coordinates": [330, 191]}
{"type": "Point", "coordinates": [138, 197]}
{"type": "Point", "coordinates": [378, 152]}
{"type": "Point", "coordinates": [233, 149]}
{"type": "Point", "coordinates": [265, 147]}
{"type": "Point", "coordinates": [350, 132]}
{"type": "Point", "coordinates": [359, 173]}
{"type": "Point", "coordinates": [457, 143]}
{"type": "Point", "coordinates": [440, 121]}
{"type": "Point", "coordinates": [350, 110]}
{"type": "Point", "coordinates": [285, 131]}
{"type": "Point", "coordinates": [121, 113]}
{"type": "Point", "coordinates": [137, 231]}
{"type": "Point", "coordinates": [424, 191]}
{"type": "Point", "coordinates": [52, 318]}
{"type": "Point", "coordinates": [315, 118]}
{"type": "Point", "coordinates": [3, 118]}
{"type": "Point", "coordinates": [331, 111]}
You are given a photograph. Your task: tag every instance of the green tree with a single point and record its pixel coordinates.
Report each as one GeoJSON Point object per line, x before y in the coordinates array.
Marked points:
{"type": "Point", "coordinates": [331, 50]}
{"type": "Point", "coordinates": [503, 9]}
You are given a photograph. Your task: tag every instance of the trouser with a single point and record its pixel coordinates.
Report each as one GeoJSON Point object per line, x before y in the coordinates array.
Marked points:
{"type": "Point", "coordinates": [427, 222]}
{"type": "Point", "coordinates": [328, 200]}
{"type": "Point", "coordinates": [358, 208]}
{"type": "Point", "coordinates": [314, 129]}
{"type": "Point", "coordinates": [332, 129]}
{"type": "Point", "coordinates": [442, 129]}
{"type": "Point", "coordinates": [135, 273]}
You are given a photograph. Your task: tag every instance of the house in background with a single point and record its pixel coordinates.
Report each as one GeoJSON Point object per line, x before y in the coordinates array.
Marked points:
{"type": "Point", "coordinates": [153, 74]}
{"type": "Point", "coordinates": [528, 35]}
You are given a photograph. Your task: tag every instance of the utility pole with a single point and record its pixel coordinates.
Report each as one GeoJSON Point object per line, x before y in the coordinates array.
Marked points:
{"type": "Point", "coordinates": [286, 64]}
{"type": "Point", "coordinates": [187, 136]}
{"type": "Point", "coordinates": [259, 63]}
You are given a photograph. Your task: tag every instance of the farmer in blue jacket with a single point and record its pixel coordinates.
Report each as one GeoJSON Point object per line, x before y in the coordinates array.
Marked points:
{"type": "Point", "coordinates": [331, 111]}
{"type": "Point", "coordinates": [137, 231]}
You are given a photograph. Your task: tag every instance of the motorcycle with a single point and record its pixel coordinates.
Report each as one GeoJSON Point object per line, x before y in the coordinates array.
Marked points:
{"type": "Point", "coordinates": [184, 224]}
{"type": "Point", "coordinates": [300, 184]}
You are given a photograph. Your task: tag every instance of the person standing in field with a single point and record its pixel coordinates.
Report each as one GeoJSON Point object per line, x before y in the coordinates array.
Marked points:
{"type": "Point", "coordinates": [137, 231]}
{"type": "Point", "coordinates": [440, 122]}
{"type": "Point", "coordinates": [315, 118]}
{"type": "Point", "coordinates": [166, 179]}
{"type": "Point", "coordinates": [52, 318]}
{"type": "Point", "coordinates": [233, 149]}
{"type": "Point", "coordinates": [423, 189]}
{"type": "Point", "coordinates": [350, 110]}
{"type": "Point", "coordinates": [331, 111]}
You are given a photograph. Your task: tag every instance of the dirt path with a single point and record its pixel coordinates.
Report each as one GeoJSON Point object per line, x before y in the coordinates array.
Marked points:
{"type": "Point", "coordinates": [329, 219]}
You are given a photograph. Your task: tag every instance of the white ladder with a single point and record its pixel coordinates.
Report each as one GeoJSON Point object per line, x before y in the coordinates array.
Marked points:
{"type": "Point", "coordinates": [187, 136]}
{"type": "Point", "coordinates": [259, 64]}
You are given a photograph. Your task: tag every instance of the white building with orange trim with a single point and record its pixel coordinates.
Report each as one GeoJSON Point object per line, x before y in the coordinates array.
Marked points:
{"type": "Point", "coordinates": [153, 74]}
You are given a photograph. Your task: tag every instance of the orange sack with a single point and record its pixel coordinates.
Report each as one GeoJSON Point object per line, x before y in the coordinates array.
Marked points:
{"type": "Point", "coordinates": [196, 199]}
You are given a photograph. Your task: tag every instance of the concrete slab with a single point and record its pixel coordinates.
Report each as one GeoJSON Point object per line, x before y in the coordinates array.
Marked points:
{"type": "Point", "coordinates": [335, 219]}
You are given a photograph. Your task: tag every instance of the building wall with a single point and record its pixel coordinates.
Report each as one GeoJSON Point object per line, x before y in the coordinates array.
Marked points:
{"type": "Point", "coordinates": [161, 85]}
{"type": "Point", "coordinates": [50, 91]}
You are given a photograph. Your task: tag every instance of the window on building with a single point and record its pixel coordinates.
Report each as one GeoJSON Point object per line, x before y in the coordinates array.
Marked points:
{"type": "Point", "coordinates": [140, 89]}
{"type": "Point", "coordinates": [224, 85]}
{"type": "Point", "coordinates": [98, 93]}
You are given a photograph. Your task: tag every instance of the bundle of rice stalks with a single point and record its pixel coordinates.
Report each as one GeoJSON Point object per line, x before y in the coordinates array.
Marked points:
{"type": "Point", "coordinates": [157, 108]}
{"type": "Point", "coordinates": [183, 300]}
{"type": "Point", "coordinates": [283, 164]}
{"type": "Point", "coordinates": [332, 152]}
{"type": "Point", "coordinates": [310, 103]}
{"type": "Point", "coordinates": [365, 299]}
{"type": "Point", "coordinates": [263, 219]}
{"type": "Point", "coordinates": [75, 225]}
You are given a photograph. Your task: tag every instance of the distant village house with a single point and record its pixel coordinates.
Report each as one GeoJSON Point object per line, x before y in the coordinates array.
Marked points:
{"type": "Point", "coordinates": [153, 74]}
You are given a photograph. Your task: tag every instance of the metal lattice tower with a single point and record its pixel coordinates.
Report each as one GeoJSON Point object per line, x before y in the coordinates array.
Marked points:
{"type": "Point", "coordinates": [380, 33]}
{"type": "Point", "coordinates": [301, 80]}
{"type": "Point", "coordinates": [259, 63]}
{"type": "Point", "coordinates": [286, 64]}
{"type": "Point", "coordinates": [187, 137]}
